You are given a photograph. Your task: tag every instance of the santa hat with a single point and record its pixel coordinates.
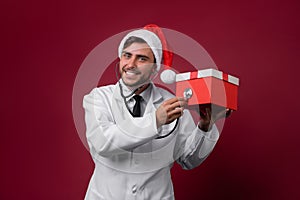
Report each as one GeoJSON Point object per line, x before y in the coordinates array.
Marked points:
{"type": "Point", "coordinates": [156, 40]}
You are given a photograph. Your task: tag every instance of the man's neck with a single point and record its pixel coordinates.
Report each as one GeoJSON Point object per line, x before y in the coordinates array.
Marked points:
{"type": "Point", "coordinates": [129, 89]}
{"type": "Point", "coordinates": [142, 89]}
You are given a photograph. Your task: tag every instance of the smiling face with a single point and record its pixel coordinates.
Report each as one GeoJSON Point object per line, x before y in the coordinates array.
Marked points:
{"type": "Point", "coordinates": [137, 64]}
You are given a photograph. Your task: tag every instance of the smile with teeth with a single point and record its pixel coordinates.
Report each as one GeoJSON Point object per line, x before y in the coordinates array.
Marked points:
{"type": "Point", "coordinates": [132, 73]}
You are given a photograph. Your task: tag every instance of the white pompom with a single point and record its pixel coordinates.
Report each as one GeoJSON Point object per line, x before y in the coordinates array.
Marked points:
{"type": "Point", "coordinates": [168, 76]}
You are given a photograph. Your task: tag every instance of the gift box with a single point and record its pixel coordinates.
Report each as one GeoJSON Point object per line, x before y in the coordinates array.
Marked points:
{"type": "Point", "coordinates": [208, 86]}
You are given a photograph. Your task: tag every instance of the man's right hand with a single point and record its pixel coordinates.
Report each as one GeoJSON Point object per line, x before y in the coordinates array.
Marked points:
{"type": "Point", "coordinates": [170, 110]}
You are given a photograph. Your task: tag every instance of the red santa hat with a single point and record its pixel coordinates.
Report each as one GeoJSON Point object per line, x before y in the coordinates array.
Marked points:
{"type": "Point", "coordinates": [155, 38]}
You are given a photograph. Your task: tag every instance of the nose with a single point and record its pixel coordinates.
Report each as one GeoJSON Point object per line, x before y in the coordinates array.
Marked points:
{"type": "Point", "coordinates": [131, 63]}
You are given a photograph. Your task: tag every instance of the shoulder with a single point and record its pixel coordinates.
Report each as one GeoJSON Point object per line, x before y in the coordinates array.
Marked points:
{"type": "Point", "coordinates": [163, 92]}
{"type": "Point", "coordinates": [101, 92]}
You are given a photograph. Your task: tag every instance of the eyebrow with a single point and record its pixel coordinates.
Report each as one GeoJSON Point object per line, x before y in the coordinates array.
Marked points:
{"type": "Point", "coordinates": [138, 55]}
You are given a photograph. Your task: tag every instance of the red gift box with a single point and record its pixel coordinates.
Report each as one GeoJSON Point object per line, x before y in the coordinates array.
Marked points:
{"type": "Point", "coordinates": [208, 86]}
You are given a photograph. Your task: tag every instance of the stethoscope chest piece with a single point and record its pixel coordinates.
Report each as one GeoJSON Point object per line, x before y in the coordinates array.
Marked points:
{"type": "Point", "coordinates": [188, 93]}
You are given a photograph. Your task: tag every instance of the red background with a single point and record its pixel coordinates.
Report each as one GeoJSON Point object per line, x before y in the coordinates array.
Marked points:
{"type": "Point", "coordinates": [43, 44]}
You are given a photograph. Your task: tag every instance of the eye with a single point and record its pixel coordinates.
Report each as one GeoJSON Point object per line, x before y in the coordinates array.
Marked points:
{"type": "Point", "coordinates": [143, 59]}
{"type": "Point", "coordinates": [126, 55]}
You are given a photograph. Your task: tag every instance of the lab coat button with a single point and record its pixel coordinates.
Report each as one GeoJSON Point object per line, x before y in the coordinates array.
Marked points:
{"type": "Point", "coordinates": [134, 189]}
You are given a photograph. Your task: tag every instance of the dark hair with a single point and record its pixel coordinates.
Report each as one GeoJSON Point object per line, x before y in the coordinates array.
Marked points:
{"type": "Point", "coordinates": [131, 40]}
{"type": "Point", "coordinates": [134, 39]}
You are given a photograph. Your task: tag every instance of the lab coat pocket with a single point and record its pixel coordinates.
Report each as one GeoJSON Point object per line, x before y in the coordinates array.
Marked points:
{"type": "Point", "coordinates": [94, 195]}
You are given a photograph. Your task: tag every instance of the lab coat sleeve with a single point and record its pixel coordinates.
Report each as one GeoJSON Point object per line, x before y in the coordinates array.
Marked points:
{"type": "Point", "coordinates": [104, 136]}
{"type": "Point", "coordinates": [194, 146]}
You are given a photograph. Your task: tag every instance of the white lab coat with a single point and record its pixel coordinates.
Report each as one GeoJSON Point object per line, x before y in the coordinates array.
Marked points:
{"type": "Point", "coordinates": [129, 162]}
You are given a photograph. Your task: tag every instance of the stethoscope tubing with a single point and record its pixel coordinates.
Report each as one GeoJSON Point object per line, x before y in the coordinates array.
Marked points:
{"type": "Point", "coordinates": [129, 95]}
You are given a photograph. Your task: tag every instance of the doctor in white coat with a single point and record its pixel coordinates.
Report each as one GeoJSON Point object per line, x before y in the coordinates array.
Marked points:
{"type": "Point", "coordinates": [133, 154]}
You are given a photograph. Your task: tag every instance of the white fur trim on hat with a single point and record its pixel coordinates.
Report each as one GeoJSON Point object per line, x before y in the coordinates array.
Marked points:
{"type": "Point", "coordinates": [151, 39]}
{"type": "Point", "coordinates": [168, 76]}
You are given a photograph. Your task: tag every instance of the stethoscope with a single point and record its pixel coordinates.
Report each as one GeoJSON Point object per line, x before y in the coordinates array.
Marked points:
{"type": "Point", "coordinates": [134, 91]}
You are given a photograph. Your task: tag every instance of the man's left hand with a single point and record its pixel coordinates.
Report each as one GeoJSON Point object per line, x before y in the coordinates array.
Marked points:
{"type": "Point", "coordinates": [210, 113]}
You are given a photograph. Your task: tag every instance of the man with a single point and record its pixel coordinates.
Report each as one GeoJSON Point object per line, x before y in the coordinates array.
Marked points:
{"type": "Point", "coordinates": [136, 130]}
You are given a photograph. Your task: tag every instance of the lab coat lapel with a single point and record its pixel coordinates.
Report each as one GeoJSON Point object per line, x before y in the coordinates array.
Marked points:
{"type": "Point", "coordinates": [119, 109]}
{"type": "Point", "coordinates": [118, 106]}
{"type": "Point", "coordinates": [155, 100]}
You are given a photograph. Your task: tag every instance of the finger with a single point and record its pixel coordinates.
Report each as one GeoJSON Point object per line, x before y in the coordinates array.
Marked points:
{"type": "Point", "coordinates": [171, 101]}
{"type": "Point", "coordinates": [183, 102]}
{"type": "Point", "coordinates": [208, 113]}
{"type": "Point", "coordinates": [181, 99]}
{"type": "Point", "coordinates": [170, 108]}
{"type": "Point", "coordinates": [175, 99]}
{"type": "Point", "coordinates": [202, 112]}
{"type": "Point", "coordinates": [173, 117]}
{"type": "Point", "coordinates": [175, 112]}
{"type": "Point", "coordinates": [178, 104]}
{"type": "Point", "coordinates": [221, 114]}
{"type": "Point", "coordinates": [228, 112]}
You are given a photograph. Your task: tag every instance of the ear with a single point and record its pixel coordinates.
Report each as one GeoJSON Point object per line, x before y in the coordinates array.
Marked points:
{"type": "Point", "coordinates": [153, 71]}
